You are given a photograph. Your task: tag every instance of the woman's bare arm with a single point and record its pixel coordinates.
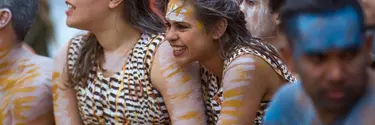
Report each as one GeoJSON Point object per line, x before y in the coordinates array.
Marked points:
{"type": "Point", "coordinates": [180, 87]}
{"type": "Point", "coordinates": [243, 89]}
{"type": "Point", "coordinates": [64, 99]}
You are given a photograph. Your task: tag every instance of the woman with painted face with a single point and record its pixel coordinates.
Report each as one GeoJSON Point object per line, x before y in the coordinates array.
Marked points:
{"type": "Point", "coordinates": [122, 72]}
{"type": "Point", "coordinates": [239, 73]}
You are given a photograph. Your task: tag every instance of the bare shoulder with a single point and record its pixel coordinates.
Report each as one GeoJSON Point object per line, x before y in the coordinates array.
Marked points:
{"type": "Point", "coordinates": [250, 61]}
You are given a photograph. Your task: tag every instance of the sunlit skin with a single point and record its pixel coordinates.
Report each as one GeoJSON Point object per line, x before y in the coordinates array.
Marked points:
{"type": "Point", "coordinates": [64, 99]}
{"type": "Point", "coordinates": [166, 76]}
{"type": "Point", "coordinates": [25, 89]}
{"type": "Point", "coordinates": [243, 80]}
{"type": "Point", "coordinates": [336, 85]}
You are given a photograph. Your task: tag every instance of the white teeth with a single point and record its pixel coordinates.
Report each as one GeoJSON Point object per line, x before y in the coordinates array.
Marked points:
{"type": "Point", "coordinates": [70, 6]}
{"type": "Point", "coordinates": [178, 48]}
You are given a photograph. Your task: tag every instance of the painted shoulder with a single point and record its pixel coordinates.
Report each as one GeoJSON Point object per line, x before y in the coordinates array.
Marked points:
{"type": "Point", "coordinates": [44, 66]}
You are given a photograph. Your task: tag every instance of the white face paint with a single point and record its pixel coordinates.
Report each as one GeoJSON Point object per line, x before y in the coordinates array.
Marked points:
{"type": "Point", "coordinates": [176, 11]}
{"type": "Point", "coordinates": [259, 19]}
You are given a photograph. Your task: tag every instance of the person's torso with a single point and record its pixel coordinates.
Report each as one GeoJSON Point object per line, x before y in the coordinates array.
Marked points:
{"type": "Point", "coordinates": [23, 84]}
{"type": "Point", "coordinates": [213, 90]}
{"type": "Point", "coordinates": [128, 97]}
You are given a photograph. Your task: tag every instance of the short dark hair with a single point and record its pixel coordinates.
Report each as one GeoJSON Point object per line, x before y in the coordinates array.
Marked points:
{"type": "Point", "coordinates": [23, 15]}
{"type": "Point", "coordinates": [291, 8]}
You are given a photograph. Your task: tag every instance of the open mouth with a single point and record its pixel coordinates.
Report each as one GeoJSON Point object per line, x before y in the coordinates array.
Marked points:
{"type": "Point", "coordinates": [179, 50]}
{"type": "Point", "coordinates": [70, 6]}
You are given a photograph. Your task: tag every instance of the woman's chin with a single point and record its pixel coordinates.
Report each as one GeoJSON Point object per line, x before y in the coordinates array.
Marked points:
{"type": "Point", "coordinates": [182, 61]}
{"type": "Point", "coordinates": [73, 24]}
{"type": "Point", "coordinates": [70, 23]}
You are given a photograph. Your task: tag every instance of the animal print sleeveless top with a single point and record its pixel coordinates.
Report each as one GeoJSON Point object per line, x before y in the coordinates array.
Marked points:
{"type": "Point", "coordinates": [213, 91]}
{"type": "Point", "coordinates": [128, 97]}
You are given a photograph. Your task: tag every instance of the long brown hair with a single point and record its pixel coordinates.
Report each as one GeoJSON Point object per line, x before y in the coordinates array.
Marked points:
{"type": "Point", "coordinates": [138, 15]}
{"type": "Point", "coordinates": [236, 34]}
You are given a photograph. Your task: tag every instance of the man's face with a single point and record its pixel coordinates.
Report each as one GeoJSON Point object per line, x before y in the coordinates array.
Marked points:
{"type": "Point", "coordinates": [369, 9]}
{"type": "Point", "coordinates": [331, 57]}
{"type": "Point", "coordinates": [260, 21]}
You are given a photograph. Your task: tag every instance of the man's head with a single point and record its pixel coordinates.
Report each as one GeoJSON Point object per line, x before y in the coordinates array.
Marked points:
{"type": "Point", "coordinates": [329, 49]}
{"type": "Point", "coordinates": [19, 14]}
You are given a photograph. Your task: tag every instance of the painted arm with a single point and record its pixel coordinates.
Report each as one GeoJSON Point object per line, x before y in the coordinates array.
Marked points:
{"type": "Point", "coordinates": [180, 87]}
{"type": "Point", "coordinates": [64, 99]}
{"type": "Point", "coordinates": [243, 90]}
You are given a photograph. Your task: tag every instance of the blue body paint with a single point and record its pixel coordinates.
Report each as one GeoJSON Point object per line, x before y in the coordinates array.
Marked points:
{"type": "Point", "coordinates": [288, 109]}
{"type": "Point", "coordinates": [321, 32]}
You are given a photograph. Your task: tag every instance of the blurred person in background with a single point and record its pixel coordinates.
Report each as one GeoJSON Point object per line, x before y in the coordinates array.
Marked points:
{"type": "Point", "coordinates": [25, 78]}
{"type": "Point", "coordinates": [369, 9]}
{"type": "Point", "coordinates": [331, 54]}
{"type": "Point", "coordinates": [239, 73]}
{"type": "Point", "coordinates": [122, 72]}
{"type": "Point", "coordinates": [41, 32]}
{"type": "Point", "coordinates": [262, 22]}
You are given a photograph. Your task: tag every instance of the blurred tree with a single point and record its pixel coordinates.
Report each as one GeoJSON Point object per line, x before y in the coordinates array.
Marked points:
{"type": "Point", "coordinates": [41, 31]}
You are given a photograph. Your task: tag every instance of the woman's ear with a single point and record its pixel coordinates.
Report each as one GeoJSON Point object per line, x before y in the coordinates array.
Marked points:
{"type": "Point", "coordinates": [114, 3]}
{"type": "Point", "coordinates": [5, 17]}
{"type": "Point", "coordinates": [220, 28]}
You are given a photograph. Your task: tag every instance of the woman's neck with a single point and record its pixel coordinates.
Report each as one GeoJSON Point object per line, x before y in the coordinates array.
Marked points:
{"type": "Point", "coordinates": [117, 36]}
{"type": "Point", "coordinates": [214, 64]}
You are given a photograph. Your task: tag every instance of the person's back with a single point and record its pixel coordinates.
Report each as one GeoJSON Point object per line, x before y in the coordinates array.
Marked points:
{"type": "Point", "coordinates": [25, 89]}
{"type": "Point", "coordinates": [328, 41]}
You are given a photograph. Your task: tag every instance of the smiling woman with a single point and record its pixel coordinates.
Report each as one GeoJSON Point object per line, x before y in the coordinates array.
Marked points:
{"type": "Point", "coordinates": [120, 72]}
{"type": "Point", "coordinates": [239, 73]}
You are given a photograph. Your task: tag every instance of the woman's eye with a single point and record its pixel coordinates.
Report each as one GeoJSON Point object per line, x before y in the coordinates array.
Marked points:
{"type": "Point", "coordinates": [181, 27]}
{"type": "Point", "coordinates": [250, 2]}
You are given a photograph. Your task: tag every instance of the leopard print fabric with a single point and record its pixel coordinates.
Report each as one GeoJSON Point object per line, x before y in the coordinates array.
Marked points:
{"type": "Point", "coordinates": [128, 97]}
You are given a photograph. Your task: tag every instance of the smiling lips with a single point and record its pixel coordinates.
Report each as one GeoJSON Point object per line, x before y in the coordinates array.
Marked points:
{"type": "Point", "coordinates": [70, 8]}
{"type": "Point", "coordinates": [178, 50]}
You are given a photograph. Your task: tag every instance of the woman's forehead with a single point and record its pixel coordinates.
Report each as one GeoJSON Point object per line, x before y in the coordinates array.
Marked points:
{"type": "Point", "coordinates": [178, 11]}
